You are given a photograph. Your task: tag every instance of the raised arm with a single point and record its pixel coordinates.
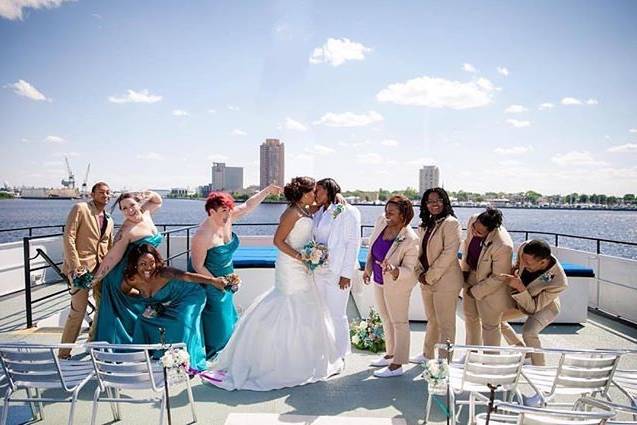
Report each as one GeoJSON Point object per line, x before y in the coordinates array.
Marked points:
{"type": "Point", "coordinates": [288, 218]}
{"type": "Point", "coordinates": [113, 257]}
{"type": "Point", "coordinates": [254, 201]}
{"type": "Point", "coordinates": [172, 273]}
{"type": "Point", "coordinates": [151, 201]}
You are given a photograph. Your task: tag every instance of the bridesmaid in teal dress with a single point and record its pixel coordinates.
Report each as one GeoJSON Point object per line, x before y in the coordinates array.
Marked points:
{"type": "Point", "coordinates": [116, 312]}
{"type": "Point", "coordinates": [172, 301]}
{"type": "Point", "coordinates": [213, 245]}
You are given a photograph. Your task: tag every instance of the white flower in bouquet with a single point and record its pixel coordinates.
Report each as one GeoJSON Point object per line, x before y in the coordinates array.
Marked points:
{"type": "Point", "coordinates": [436, 372]}
{"type": "Point", "coordinates": [167, 360]}
{"type": "Point", "coordinates": [362, 325]}
{"type": "Point", "coordinates": [356, 340]}
{"type": "Point", "coordinates": [315, 257]}
{"type": "Point", "coordinates": [183, 357]}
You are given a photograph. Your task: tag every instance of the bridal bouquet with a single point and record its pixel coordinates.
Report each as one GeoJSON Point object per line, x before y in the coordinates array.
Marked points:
{"type": "Point", "coordinates": [314, 255]}
{"type": "Point", "coordinates": [176, 363]}
{"type": "Point", "coordinates": [368, 333]}
{"type": "Point", "coordinates": [233, 281]}
{"type": "Point", "coordinates": [437, 375]}
{"type": "Point", "coordinates": [83, 278]}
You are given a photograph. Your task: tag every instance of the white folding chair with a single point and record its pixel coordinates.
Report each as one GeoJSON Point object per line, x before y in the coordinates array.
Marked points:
{"type": "Point", "coordinates": [587, 403]}
{"type": "Point", "coordinates": [626, 381]}
{"type": "Point", "coordinates": [130, 367]}
{"type": "Point", "coordinates": [583, 373]}
{"type": "Point", "coordinates": [508, 414]}
{"type": "Point", "coordinates": [497, 366]}
{"type": "Point", "coordinates": [35, 367]}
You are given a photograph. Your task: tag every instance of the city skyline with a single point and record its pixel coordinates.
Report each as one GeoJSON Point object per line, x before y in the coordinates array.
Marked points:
{"type": "Point", "coordinates": [501, 97]}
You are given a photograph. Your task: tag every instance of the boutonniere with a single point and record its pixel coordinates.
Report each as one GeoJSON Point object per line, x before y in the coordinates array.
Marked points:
{"type": "Point", "coordinates": [107, 216]}
{"type": "Point", "coordinates": [400, 239]}
{"type": "Point", "coordinates": [339, 209]}
{"type": "Point", "coordinates": [547, 277]}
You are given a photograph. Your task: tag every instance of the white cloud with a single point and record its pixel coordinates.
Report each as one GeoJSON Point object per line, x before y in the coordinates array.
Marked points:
{"type": "Point", "coordinates": [503, 71]}
{"type": "Point", "coordinates": [469, 68]}
{"type": "Point", "coordinates": [23, 88]}
{"type": "Point", "coordinates": [576, 158]}
{"type": "Point", "coordinates": [519, 123]}
{"type": "Point", "coordinates": [509, 163]}
{"type": "Point", "coordinates": [336, 51]}
{"type": "Point", "coordinates": [439, 93]}
{"type": "Point", "coordinates": [133, 96]}
{"type": "Point", "coordinates": [571, 101]}
{"type": "Point", "coordinates": [25, 140]}
{"type": "Point", "coordinates": [633, 130]}
{"type": "Point", "coordinates": [212, 111]}
{"type": "Point", "coordinates": [422, 161]}
{"type": "Point", "coordinates": [152, 156]}
{"type": "Point", "coordinates": [54, 139]}
{"type": "Point", "coordinates": [514, 150]}
{"type": "Point", "coordinates": [369, 158]}
{"type": "Point", "coordinates": [180, 113]}
{"type": "Point", "coordinates": [349, 119]}
{"type": "Point", "coordinates": [627, 148]}
{"type": "Point", "coordinates": [69, 154]}
{"type": "Point", "coordinates": [389, 142]}
{"type": "Point", "coordinates": [355, 144]}
{"type": "Point", "coordinates": [233, 108]}
{"type": "Point", "coordinates": [12, 9]}
{"type": "Point", "coordinates": [238, 132]}
{"type": "Point", "coordinates": [545, 106]}
{"type": "Point", "coordinates": [515, 109]}
{"type": "Point", "coordinates": [291, 124]}
{"type": "Point", "coordinates": [217, 158]}
{"type": "Point", "coordinates": [592, 102]}
{"type": "Point", "coordinates": [319, 150]}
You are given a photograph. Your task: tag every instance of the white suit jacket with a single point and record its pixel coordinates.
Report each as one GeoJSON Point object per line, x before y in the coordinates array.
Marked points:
{"type": "Point", "coordinates": [344, 237]}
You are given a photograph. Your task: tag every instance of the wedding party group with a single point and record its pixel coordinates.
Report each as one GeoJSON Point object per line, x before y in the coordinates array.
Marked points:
{"type": "Point", "coordinates": [298, 331]}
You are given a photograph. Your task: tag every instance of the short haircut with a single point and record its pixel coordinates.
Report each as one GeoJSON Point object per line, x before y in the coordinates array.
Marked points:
{"type": "Point", "coordinates": [331, 187]}
{"type": "Point", "coordinates": [404, 205]}
{"type": "Point", "coordinates": [98, 184]}
{"type": "Point", "coordinates": [491, 218]}
{"type": "Point", "coordinates": [537, 248]}
{"type": "Point", "coordinates": [216, 200]}
{"type": "Point", "coordinates": [138, 251]}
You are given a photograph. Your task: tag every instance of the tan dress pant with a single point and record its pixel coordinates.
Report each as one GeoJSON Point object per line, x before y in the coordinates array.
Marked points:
{"type": "Point", "coordinates": [534, 324]}
{"type": "Point", "coordinates": [440, 308]}
{"type": "Point", "coordinates": [73, 324]}
{"type": "Point", "coordinates": [483, 317]}
{"type": "Point", "coordinates": [392, 302]}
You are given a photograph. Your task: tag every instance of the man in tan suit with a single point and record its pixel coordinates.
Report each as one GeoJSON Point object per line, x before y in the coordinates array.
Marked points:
{"type": "Point", "coordinates": [487, 253]}
{"type": "Point", "coordinates": [537, 282]}
{"type": "Point", "coordinates": [88, 235]}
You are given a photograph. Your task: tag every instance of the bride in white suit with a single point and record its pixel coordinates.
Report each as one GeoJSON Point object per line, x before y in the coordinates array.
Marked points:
{"type": "Point", "coordinates": [337, 226]}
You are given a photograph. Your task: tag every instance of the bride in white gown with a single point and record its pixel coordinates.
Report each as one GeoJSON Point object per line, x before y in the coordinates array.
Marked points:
{"type": "Point", "coordinates": [286, 337]}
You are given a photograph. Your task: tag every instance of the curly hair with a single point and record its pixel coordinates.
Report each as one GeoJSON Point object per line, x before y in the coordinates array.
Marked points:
{"type": "Point", "coordinates": [138, 251]}
{"type": "Point", "coordinates": [429, 220]}
{"type": "Point", "coordinates": [216, 200]}
{"type": "Point", "coordinates": [298, 187]}
{"type": "Point", "coordinates": [405, 207]}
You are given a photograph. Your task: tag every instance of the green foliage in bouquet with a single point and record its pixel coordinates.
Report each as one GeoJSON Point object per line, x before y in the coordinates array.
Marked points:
{"type": "Point", "coordinates": [368, 333]}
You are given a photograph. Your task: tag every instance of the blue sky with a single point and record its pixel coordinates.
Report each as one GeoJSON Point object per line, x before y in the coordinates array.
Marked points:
{"type": "Point", "coordinates": [503, 96]}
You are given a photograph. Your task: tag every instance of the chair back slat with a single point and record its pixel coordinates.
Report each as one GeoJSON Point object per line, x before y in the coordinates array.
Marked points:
{"type": "Point", "coordinates": [588, 372]}
{"type": "Point", "coordinates": [122, 368]}
{"type": "Point", "coordinates": [495, 359]}
{"type": "Point", "coordinates": [31, 366]}
{"type": "Point", "coordinates": [479, 368]}
{"type": "Point", "coordinates": [546, 419]}
{"type": "Point", "coordinates": [584, 384]}
{"type": "Point", "coordinates": [127, 356]}
{"type": "Point", "coordinates": [27, 354]}
{"type": "Point", "coordinates": [506, 381]}
{"type": "Point", "coordinates": [589, 362]}
{"type": "Point", "coordinates": [35, 378]}
{"type": "Point", "coordinates": [125, 369]}
{"type": "Point", "coordinates": [493, 368]}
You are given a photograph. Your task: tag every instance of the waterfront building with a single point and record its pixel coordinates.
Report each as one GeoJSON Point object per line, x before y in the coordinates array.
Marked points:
{"type": "Point", "coordinates": [228, 179]}
{"type": "Point", "coordinates": [272, 164]}
{"type": "Point", "coordinates": [429, 177]}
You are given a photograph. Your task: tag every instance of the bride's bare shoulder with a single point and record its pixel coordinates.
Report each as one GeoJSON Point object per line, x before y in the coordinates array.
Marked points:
{"type": "Point", "coordinates": [290, 214]}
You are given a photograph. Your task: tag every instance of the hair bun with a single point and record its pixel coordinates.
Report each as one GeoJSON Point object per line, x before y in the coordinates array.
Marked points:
{"type": "Point", "coordinates": [297, 187]}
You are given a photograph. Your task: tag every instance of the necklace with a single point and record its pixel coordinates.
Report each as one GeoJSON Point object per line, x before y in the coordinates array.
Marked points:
{"type": "Point", "coordinates": [302, 210]}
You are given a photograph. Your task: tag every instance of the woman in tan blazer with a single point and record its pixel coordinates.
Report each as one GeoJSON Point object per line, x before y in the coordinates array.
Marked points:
{"type": "Point", "coordinates": [537, 282]}
{"type": "Point", "coordinates": [438, 269]}
{"type": "Point", "coordinates": [487, 253]}
{"type": "Point", "coordinates": [393, 253]}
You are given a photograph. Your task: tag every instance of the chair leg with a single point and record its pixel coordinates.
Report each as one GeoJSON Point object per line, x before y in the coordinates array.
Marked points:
{"type": "Point", "coordinates": [162, 407]}
{"type": "Point", "coordinates": [472, 409]}
{"type": "Point", "coordinates": [191, 401]}
{"type": "Point", "coordinates": [119, 412]}
{"type": "Point", "coordinates": [110, 393]}
{"type": "Point", "coordinates": [452, 406]}
{"type": "Point", "coordinates": [34, 409]}
{"type": "Point", "coordinates": [40, 404]}
{"type": "Point", "coordinates": [5, 410]}
{"type": "Point", "coordinates": [427, 409]}
{"type": "Point", "coordinates": [96, 397]}
{"type": "Point", "coordinates": [73, 401]}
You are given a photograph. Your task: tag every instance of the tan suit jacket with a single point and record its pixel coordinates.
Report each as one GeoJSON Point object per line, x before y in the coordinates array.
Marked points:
{"type": "Point", "coordinates": [403, 253]}
{"type": "Point", "coordinates": [495, 258]}
{"type": "Point", "coordinates": [444, 272]}
{"type": "Point", "coordinates": [83, 244]}
{"type": "Point", "coordinates": [543, 292]}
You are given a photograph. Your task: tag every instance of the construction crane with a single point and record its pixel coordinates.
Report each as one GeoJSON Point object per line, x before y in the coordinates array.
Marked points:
{"type": "Point", "coordinates": [84, 183]}
{"type": "Point", "coordinates": [70, 183]}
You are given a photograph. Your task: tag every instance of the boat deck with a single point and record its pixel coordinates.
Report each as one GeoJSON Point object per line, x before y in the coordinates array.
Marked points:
{"type": "Point", "coordinates": [354, 393]}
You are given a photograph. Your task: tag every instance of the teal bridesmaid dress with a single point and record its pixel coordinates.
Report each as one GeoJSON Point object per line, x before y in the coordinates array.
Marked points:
{"type": "Point", "coordinates": [118, 313]}
{"type": "Point", "coordinates": [219, 315]}
{"type": "Point", "coordinates": [177, 308]}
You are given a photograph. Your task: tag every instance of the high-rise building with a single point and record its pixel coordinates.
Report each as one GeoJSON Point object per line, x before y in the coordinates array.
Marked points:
{"type": "Point", "coordinates": [429, 177]}
{"type": "Point", "coordinates": [272, 164]}
{"type": "Point", "coordinates": [228, 179]}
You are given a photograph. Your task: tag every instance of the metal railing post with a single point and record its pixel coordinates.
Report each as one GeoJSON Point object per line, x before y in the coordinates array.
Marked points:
{"type": "Point", "coordinates": [27, 280]}
{"type": "Point", "coordinates": [187, 246]}
{"type": "Point", "coordinates": [168, 248]}
{"type": "Point", "coordinates": [556, 238]}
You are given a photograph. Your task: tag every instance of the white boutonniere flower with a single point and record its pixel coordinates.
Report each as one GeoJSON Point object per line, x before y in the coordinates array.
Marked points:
{"type": "Point", "coordinates": [400, 239]}
{"type": "Point", "coordinates": [339, 209]}
{"type": "Point", "coordinates": [547, 277]}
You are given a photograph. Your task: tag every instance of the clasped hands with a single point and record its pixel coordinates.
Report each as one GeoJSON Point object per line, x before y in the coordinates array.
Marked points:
{"type": "Point", "coordinates": [386, 267]}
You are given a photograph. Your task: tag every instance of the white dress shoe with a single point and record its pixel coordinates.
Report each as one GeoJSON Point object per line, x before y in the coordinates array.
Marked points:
{"type": "Point", "coordinates": [388, 373]}
{"type": "Point", "coordinates": [380, 362]}
{"type": "Point", "coordinates": [419, 359]}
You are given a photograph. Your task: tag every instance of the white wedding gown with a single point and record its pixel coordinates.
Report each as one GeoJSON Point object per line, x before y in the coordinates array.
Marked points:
{"type": "Point", "coordinates": [286, 337]}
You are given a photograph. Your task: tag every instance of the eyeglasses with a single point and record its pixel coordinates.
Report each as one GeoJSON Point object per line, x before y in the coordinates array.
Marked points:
{"type": "Point", "coordinates": [434, 201]}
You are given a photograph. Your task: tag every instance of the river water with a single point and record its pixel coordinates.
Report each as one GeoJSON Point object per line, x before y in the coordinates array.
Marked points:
{"type": "Point", "coordinates": [613, 225]}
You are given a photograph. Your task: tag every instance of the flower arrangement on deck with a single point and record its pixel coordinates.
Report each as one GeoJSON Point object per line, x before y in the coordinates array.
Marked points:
{"type": "Point", "coordinates": [176, 361]}
{"type": "Point", "coordinates": [368, 333]}
{"type": "Point", "coordinates": [314, 255]}
{"type": "Point", "coordinates": [437, 376]}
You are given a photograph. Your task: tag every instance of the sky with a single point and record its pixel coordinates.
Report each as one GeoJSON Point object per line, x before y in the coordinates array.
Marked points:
{"type": "Point", "coordinates": [502, 96]}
